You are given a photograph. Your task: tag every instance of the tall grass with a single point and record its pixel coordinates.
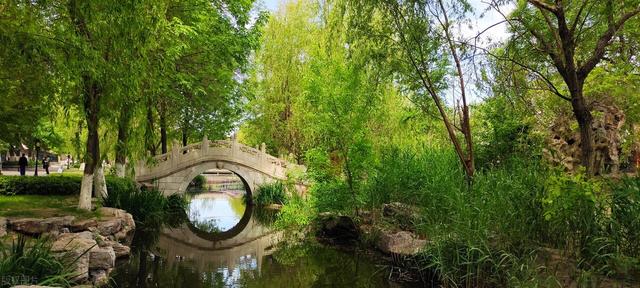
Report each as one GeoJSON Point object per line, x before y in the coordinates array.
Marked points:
{"type": "Point", "coordinates": [32, 262]}
{"type": "Point", "coordinates": [495, 233]}
{"type": "Point", "coordinates": [271, 193]}
{"type": "Point", "coordinates": [149, 207]}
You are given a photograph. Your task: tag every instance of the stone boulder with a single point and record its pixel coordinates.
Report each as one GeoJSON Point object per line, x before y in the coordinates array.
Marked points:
{"type": "Point", "coordinates": [403, 215]}
{"type": "Point", "coordinates": [3, 226]}
{"type": "Point", "coordinates": [83, 225]}
{"type": "Point", "coordinates": [37, 226]}
{"type": "Point", "coordinates": [76, 246]}
{"type": "Point", "coordinates": [402, 243]}
{"type": "Point", "coordinates": [109, 226]}
{"type": "Point", "coordinates": [127, 224]}
{"type": "Point", "coordinates": [102, 258]}
{"type": "Point", "coordinates": [563, 144]}
{"type": "Point", "coordinates": [338, 230]}
{"type": "Point", "coordinates": [119, 249]}
{"type": "Point", "coordinates": [100, 277]}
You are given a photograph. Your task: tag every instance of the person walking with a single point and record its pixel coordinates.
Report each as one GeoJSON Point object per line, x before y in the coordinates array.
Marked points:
{"type": "Point", "coordinates": [45, 164]}
{"type": "Point", "coordinates": [23, 162]}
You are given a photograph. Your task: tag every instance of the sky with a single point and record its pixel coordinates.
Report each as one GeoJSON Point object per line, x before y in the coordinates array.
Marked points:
{"type": "Point", "coordinates": [482, 18]}
{"type": "Point", "coordinates": [480, 23]}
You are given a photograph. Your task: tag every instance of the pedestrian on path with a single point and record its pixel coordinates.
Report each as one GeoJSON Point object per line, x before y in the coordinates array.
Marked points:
{"type": "Point", "coordinates": [45, 164]}
{"type": "Point", "coordinates": [23, 162]}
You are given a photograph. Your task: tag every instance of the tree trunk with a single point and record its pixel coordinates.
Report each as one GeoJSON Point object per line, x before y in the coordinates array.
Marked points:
{"type": "Point", "coordinates": [587, 141]}
{"type": "Point", "coordinates": [123, 138]}
{"type": "Point", "coordinates": [185, 139]}
{"type": "Point", "coordinates": [163, 127]}
{"type": "Point", "coordinates": [149, 143]}
{"type": "Point", "coordinates": [99, 183]}
{"type": "Point", "coordinates": [92, 156]}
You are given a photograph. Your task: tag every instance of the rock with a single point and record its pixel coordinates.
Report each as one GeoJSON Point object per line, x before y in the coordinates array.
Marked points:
{"type": "Point", "coordinates": [37, 226]}
{"type": "Point", "coordinates": [326, 214]}
{"type": "Point", "coordinates": [404, 215]}
{"type": "Point", "coordinates": [76, 246]}
{"type": "Point", "coordinates": [403, 243]}
{"type": "Point", "coordinates": [127, 224]}
{"type": "Point", "coordinates": [102, 258]}
{"type": "Point", "coordinates": [3, 226]}
{"type": "Point", "coordinates": [99, 277]}
{"type": "Point", "coordinates": [82, 225]}
{"type": "Point", "coordinates": [338, 230]}
{"type": "Point", "coordinates": [119, 249]}
{"type": "Point", "coordinates": [109, 226]}
{"type": "Point", "coordinates": [564, 140]}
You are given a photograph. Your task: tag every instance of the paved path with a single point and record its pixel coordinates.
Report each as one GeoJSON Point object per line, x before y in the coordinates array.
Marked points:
{"type": "Point", "coordinates": [13, 171]}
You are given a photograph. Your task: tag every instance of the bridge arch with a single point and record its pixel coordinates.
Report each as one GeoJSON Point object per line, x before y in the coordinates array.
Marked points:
{"type": "Point", "coordinates": [172, 172]}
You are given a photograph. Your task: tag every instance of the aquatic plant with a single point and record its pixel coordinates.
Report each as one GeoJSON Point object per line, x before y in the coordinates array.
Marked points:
{"type": "Point", "coordinates": [150, 208]}
{"type": "Point", "coordinates": [271, 193]}
{"type": "Point", "coordinates": [28, 262]}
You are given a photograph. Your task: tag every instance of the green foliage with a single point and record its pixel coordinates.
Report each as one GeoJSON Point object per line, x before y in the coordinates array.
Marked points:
{"type": "Point", "coordinates": [271, 193]}
{"type": "Point", "coordinates": [505, 130]}
{"type": "Point", "coordinates": [404, 175]}
{"type": "Point", "coordinates": [31, 262]}
{"type": "Point", "coordinates": [149, 207]}
{"type": "Point", "coordinates": [296, 214]}
{"type": "Point", "coordinates": [56, 185]}
{"type": "Point", "coordinates": [625, 209]}
{"type": "Point", "coordinates": [198, 182]}
{"type": "Point", "coordinates": [573, 204]}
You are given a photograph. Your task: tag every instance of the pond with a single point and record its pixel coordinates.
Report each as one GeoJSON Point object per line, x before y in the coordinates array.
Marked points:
{"type": "Point", "coordinates": [238, 249]}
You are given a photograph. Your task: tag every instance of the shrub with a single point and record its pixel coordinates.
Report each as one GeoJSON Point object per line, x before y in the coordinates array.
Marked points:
{"type": "Point", "coordinates": [149, 207]}
{"type": "Point", "coordinates": [271, 193]}
{"type": "Point", "coordinates": [296, 213]}
{"type": "Point", "coordinates": [56, 185]}
{"type": "Point", "coordinates": [32, 262]}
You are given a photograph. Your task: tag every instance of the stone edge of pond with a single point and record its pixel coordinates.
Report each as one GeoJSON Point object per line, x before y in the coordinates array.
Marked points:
{"type": "Point", "coordinates": [391, 243]}
{"type": "Point", "coordinates": [95, 242]}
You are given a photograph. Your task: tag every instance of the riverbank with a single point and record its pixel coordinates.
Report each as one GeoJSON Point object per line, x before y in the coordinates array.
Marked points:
{"type": "Point", "coordinates": [90, 244]}
{"type": "Point", "coordinates": [388, 236]}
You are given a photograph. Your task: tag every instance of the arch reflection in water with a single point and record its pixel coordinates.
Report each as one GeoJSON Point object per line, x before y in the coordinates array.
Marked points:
{"type": "Point", "coordinates": [217, 201]}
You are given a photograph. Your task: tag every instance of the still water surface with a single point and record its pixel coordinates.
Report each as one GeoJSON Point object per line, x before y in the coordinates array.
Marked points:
{"type": "Point", "coordinates": [236, 248]}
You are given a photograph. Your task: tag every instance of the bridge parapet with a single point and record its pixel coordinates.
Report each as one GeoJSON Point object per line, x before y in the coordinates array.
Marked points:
{"type": "Point", "coordinates": [227, 151]}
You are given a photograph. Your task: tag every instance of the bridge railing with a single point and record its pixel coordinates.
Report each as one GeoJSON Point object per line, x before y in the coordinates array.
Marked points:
{"type": "Point", "coordinates": [208, 151]}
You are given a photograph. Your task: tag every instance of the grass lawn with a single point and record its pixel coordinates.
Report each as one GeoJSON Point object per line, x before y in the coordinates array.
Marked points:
{"type": "Point", "coordinates": [40, 206]}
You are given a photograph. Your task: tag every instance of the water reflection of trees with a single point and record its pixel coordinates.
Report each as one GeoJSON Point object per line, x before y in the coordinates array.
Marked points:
{"type": "Point", "coordinates": [310, 265]}
{"type": "Point", "coordinates": [208, 225]}
{"type": "Point", "coordinates": [207, 202]}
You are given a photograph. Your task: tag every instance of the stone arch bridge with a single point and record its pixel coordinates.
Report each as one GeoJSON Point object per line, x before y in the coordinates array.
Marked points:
{"type": "Point", "coordinates": [172, 172]}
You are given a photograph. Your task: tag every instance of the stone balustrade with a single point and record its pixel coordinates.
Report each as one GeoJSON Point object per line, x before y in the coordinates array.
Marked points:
{"type": "Point", "coordinates": [219, 151]}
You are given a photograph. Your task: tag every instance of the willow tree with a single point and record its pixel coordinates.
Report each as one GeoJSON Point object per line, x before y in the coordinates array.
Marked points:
{"type": "Point", "coordinates": [200, 91]}
{"type": "Point", "coordinates": [27, 78]}
{"type": "Point", "coordinates": [276, 113]}
{"type": "Point", "coordinates": [420, 36]}
{"type": "Point", "coordinates": [569, 38]}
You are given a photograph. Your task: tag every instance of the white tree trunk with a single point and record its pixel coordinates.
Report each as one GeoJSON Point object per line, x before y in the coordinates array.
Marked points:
{"type": "Point", "coordinates": [120, 170]}
{"type": "Point", "coordinates": [85, 192]}
{"type": "Point", "coordinates": [99, 183]}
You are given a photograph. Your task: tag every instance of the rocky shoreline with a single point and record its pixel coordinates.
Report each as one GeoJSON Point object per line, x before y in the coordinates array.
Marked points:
{"type": "Point", "coordinates": [388, 234]}
{"type": "Point", "coordinates": [96, 243]}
